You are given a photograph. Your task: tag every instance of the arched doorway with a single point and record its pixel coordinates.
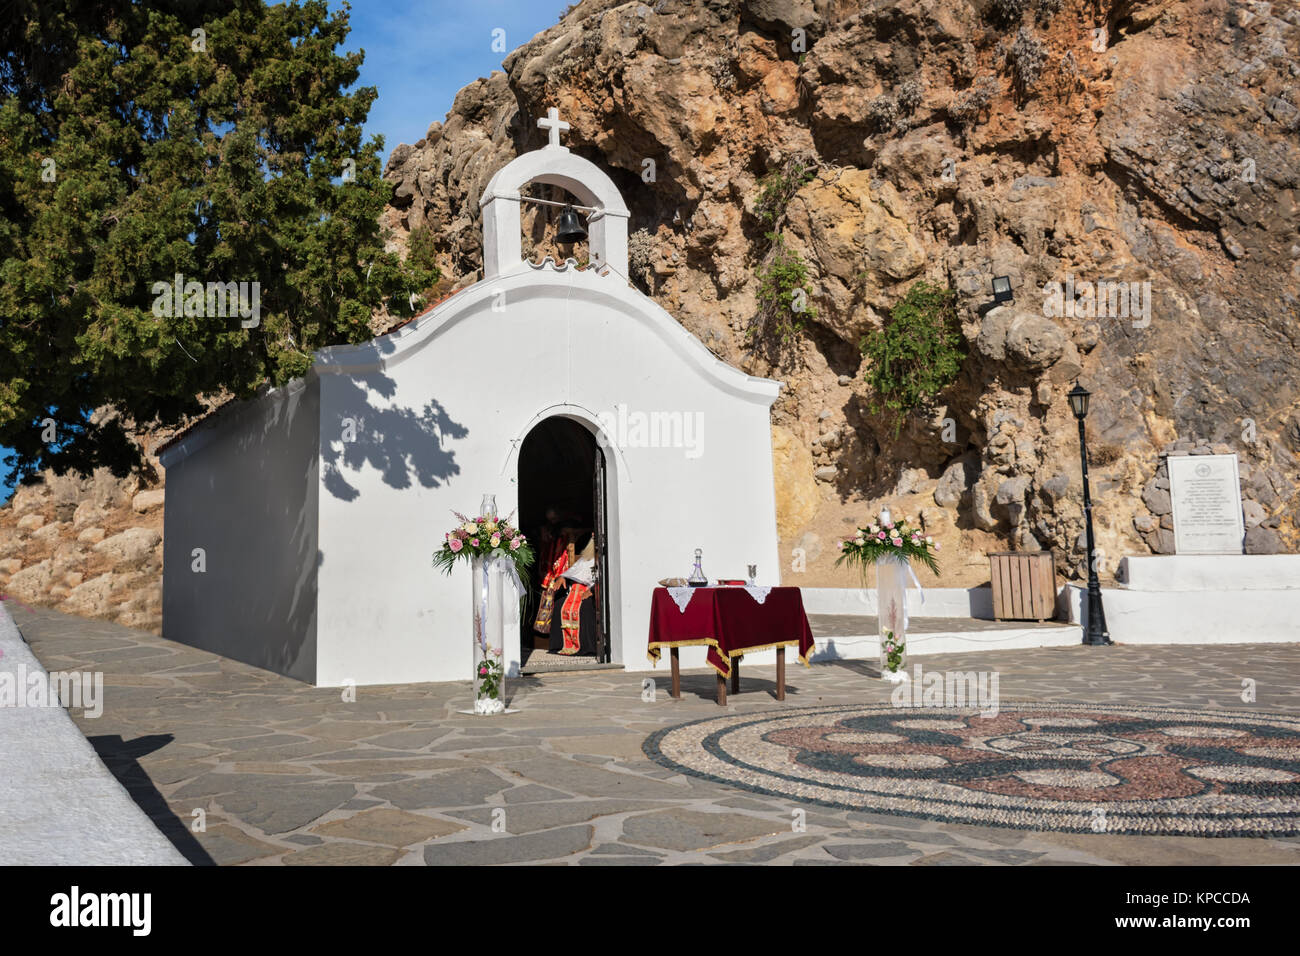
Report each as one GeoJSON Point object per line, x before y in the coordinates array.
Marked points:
{"type": "Point", "coordinates": [562, 500]}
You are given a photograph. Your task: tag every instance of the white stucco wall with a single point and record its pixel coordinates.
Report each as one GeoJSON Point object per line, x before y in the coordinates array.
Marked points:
{"type": "Point", "coordinates": [243, 487]}
{"type": "Point", "coordinates": [560, 342]}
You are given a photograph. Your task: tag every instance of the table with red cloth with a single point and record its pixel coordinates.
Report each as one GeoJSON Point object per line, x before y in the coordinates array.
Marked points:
{"type": "Point", "coordinates": [731, 623]}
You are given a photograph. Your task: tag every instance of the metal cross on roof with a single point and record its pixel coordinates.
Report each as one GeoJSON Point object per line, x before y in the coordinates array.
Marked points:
{"type": "Point", "coordinates": [553, 125]}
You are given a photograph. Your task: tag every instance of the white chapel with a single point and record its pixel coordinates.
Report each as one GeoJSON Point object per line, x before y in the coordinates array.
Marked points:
{"type": "Point", "coordinates": [300, 527]}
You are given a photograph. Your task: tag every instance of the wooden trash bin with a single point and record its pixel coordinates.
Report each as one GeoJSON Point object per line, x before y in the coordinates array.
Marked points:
{"type": "Point", "coordinates": [1024, 585]}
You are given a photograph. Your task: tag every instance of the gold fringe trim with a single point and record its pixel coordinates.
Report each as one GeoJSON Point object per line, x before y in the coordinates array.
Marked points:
{"type": "Point", "coordinates": [652, 652]}
{"type": "Point", "coordinates": [737, 655]}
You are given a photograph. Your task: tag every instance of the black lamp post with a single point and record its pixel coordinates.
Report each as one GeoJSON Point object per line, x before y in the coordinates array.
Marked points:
{"type": "Point", "coordinates": [1096, 632]}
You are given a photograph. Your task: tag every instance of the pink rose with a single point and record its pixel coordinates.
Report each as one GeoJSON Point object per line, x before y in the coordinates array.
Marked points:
{"type": "Point", "coordinates": [936, 546]}
{"type": "Point", "coordinates": [474, 542]}
{"type": "Point", "coordinates": [881, 535]}
{"type": "Point", "coordinates": [514, 544]}
{"type": "Point", "coordinates": [898, 542]}
{"type": "Point", "coordinates": [455, 545]}
{"type": "Point", "coordinates": [889, 524]}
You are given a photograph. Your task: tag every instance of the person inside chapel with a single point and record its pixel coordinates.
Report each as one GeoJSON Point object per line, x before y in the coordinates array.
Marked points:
{"type": "Point", "coordinates": [553, 536]}
{"type": "Point", "coordinates": [567, 586]}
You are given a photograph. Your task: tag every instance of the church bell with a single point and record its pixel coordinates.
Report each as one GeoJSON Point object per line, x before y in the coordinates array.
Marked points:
{"type": "Point", "coordinates": [570, 227]}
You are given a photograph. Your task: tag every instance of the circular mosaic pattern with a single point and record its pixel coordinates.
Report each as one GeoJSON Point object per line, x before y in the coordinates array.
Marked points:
{"type": "Point", "coordinates": [1092, 768]}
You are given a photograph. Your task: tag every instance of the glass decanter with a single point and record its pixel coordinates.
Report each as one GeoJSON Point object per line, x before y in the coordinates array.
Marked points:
{"type": "Point", "coordinates": [697, 578]}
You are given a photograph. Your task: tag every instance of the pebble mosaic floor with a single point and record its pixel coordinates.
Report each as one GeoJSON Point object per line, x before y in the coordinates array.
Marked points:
{"type": "Point", "coordinates": [1071, 767]}
{"type": "Point", "coordinates": [240, 766]}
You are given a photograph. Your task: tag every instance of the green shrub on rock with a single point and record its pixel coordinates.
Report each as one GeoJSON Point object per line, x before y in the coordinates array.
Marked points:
{"type": "Point", "coordinates": [778, 187]}
{"type": "Point", "coordinates": [783, 291]}
{"type": "Point", "coordinates": [917, 352]}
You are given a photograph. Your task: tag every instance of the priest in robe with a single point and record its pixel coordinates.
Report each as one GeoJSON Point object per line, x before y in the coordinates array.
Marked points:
{"type": "Point", "coordinates": [576, 633]}
{"type": "Point", "coordinates": [561, 557]}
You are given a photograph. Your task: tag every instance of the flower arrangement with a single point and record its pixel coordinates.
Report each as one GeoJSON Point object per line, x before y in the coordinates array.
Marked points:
{"type": "Point", "coordinates": [885, 538]}
{"type": "Point", "coordinates": [891, 648]}
{"type": "Point", "coordinates": [486, 536]}
{"type": "Point", "coordinates": [489, 675]}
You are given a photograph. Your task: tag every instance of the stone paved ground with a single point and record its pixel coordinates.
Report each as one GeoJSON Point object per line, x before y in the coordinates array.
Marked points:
{"type": "Point", "coordinates": [287, 773]}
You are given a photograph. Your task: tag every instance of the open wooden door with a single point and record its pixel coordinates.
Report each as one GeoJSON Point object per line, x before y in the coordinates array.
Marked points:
{"type": "Point", "coordinates": [600, 591]}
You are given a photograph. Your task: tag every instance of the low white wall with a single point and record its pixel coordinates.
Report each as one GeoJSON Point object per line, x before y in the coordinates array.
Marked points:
{"type": "Point", "coordinates": [1211, 572]}
{"type": "Point", "coordinates": [1194, 617]}
{"type": "Point", "coordinates": [59, 804]}
{"type": "Point", "coordinates": [1012, 636]}
{"type": "Point", "coordinates": [938, 602]}
{"type": "Point", "coordinates": [867, 647]}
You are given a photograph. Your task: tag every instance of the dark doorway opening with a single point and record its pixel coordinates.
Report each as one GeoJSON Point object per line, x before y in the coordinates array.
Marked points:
{"type": "Point", "coordinates": [561, 503]}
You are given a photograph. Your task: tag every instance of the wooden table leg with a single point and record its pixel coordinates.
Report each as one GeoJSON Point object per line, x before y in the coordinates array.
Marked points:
{"type": "Point", "coordinates": [780, 673]}
{"type": "Point", "coordinates": [735, 676]}
{"type": "Point", "coordinates": [677, 676]}
{"type": "Point", "coordinates": [722, 691]}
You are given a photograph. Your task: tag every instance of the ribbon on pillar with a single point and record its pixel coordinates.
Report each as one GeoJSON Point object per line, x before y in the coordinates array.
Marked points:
{"type": "Point", "coordinates": [507, 567]}
{"type": "Point", "coordinates": [911, 573]}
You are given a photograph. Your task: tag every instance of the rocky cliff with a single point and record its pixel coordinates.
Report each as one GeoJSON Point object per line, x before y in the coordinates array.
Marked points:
{"type": "Point", "coordinates": [1141, 156]}
{"type": "Point", "coordinates": [85, 545]}
{"type": "Point", "coordinates": [90, 544]}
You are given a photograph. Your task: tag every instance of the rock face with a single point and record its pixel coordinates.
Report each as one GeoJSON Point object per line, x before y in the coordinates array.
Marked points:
{"type": "Point", "coordinates": [112, 569]}
{"type": "Point", "coordinates": [1139, 190]}
{"type": "Point", "coordinates": [797, 494]}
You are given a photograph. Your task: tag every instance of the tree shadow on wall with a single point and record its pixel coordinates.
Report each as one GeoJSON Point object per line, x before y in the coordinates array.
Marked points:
{"type": "Point", "coordinates": [404, 445]}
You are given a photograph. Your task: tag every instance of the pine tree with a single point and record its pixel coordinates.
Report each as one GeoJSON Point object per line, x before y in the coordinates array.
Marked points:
{"type": "Point", "coordinates": [210, 140]}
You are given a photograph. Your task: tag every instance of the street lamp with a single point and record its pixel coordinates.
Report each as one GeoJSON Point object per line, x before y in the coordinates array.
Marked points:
{"type": "Point", "coordinates": [1096, 632]}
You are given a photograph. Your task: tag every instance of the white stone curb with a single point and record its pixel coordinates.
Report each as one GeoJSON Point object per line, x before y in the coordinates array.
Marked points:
{"type": "Point", "coordinates": [59, 804]}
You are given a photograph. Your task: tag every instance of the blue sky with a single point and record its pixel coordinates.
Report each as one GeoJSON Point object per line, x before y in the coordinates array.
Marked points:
{"type": "Point", "coordinates": [419, 54]}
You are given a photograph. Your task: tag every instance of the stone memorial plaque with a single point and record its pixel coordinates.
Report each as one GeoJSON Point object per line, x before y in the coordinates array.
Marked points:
{"type": "Point", "coordinates": [1206, 495]}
